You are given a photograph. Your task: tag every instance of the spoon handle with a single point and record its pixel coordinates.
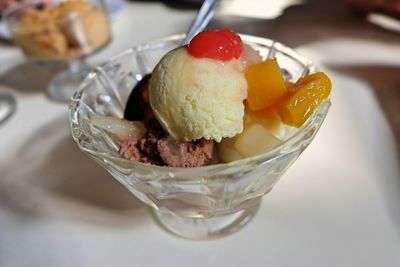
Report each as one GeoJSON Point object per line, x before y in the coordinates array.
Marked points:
{"type": "Point", "coordinates": [202, 19]}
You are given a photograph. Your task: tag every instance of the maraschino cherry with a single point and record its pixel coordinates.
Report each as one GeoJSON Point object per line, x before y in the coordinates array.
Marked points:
{"type": "Point", "coordinates": [222, 45]}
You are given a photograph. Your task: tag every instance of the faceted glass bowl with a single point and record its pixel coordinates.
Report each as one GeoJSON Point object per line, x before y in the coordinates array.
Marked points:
{"type": "Point", "coordinates": [196, 203]}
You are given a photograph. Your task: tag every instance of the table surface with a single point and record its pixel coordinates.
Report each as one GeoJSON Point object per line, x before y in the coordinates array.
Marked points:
{"type": "Point", "coordinates": [338, 205]}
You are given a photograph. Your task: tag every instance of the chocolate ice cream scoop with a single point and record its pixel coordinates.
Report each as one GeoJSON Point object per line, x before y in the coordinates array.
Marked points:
{"type": "Point", "coordinates": [158, 148]}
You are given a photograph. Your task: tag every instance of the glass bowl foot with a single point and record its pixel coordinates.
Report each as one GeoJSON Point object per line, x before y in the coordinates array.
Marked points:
{"type": "Point", "coordinates": [64, 84]}
{"type": "Point", "coordinates": [205, 228]}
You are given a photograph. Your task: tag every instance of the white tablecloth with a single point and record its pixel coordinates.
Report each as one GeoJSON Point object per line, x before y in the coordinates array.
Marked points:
{"type": "Point", "coordinates": [338, 205]}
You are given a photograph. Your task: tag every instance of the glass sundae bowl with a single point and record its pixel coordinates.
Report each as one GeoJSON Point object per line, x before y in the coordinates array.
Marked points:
{"type": "Point", "coordinates": [62, 31]}
{"type": "Point", "coordinates": [195, 203]}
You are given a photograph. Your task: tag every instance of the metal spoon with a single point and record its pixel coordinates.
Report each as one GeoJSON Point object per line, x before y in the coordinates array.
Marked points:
{"type": "Point", "coordinates": [202, 19]}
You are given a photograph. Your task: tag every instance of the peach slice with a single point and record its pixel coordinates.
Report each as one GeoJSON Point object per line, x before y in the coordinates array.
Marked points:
{"type": "Point", "coordinates": [304, 97]}
{"type": "Point", "coordinates": [266, 84]}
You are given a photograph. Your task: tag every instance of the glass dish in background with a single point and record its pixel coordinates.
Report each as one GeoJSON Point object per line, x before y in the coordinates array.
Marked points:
{"type": "Point", "coordinates": [60, 31]}
{"type": "Point", "coordinates": [195, 203]}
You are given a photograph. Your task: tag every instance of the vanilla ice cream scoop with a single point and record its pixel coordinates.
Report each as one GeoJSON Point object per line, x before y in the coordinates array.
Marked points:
{"type": "Point", "coordinates": [196, 98]}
